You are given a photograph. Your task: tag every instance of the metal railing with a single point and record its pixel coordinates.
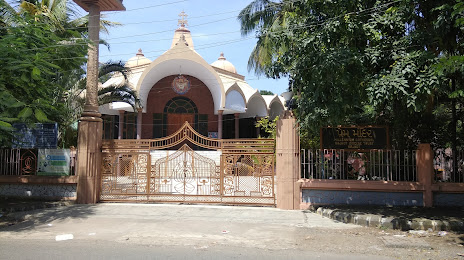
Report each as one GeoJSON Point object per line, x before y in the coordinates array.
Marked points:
{"type": "Point", "coordinates": [18, 162]}
{"type": "Point", "coordinates": [386, 165]}
{"type": "Point", "coordinates": [243, 173]}
{"type": "Point", "coordinates": [445, 168]}
{"type": "Point", "coordinates": [188, 134]}
{"type": "Point", "coordinates": [10, 162]}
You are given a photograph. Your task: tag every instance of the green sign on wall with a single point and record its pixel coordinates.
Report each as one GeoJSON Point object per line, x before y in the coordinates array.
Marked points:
{"type": "Point", "coordinates": [53, 162]}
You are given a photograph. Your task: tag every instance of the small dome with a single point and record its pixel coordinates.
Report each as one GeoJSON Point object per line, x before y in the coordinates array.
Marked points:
{"type": "Point", "coordinates": [138, 60]}
{"type": "Point", "coordinates": [222, 63]}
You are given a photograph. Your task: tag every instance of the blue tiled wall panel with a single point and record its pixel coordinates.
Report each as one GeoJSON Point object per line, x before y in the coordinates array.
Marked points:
{"type": "Point", "coordinates": [38, 191]}
{"type": "Point", "coordinates": [343, 197]}
{"type": "Point", "coordinates": [448, 199]}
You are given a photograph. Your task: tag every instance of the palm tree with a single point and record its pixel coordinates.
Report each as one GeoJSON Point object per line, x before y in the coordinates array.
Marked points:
{"type": "Point", "coordinates": [263, 17]}
{"type": "Point", "coordinates": [8, 15]}
{"type": "Point", "coordinates": [117, 92]}
{"type": "Point", "coordinates": [61, 14]}
{"type": "Point", "coordinates": [120, 91]}
{"type": "Point", "coordinates": [58, 16]}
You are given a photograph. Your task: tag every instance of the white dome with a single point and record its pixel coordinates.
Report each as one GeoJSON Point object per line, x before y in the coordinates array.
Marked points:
{"type": "Point", "coordinates": [222, 63]}
{"type": "Point", "coordinates": [137, 60]}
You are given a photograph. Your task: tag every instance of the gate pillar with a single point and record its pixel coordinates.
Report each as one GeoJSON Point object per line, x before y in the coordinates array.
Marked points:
{"type": "Point", "coordinates": [287, 162]}
{"type": "Point", "coordinates": [90, 125]}
{"type": "Point", "coordinates": [425, 172]}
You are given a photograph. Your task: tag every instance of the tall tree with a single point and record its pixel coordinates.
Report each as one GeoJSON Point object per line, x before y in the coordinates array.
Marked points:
{"type": "Point", "coordinates": [262, 17]}
{"type": "Point", "coordinates": [365, 61]}
{"type": "Point", "coordinates": [45, 43]}
{"type": "Point", "coordinates": [266, 92]}
{"type": "Point", "coordinates": [62, 15]}
{"type": "Point", "coordinates": [34, 59]}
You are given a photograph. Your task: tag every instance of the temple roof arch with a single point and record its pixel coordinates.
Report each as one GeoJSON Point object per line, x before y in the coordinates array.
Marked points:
{"type": "Point", "coordinates": [183, 60]}
{"type": "Point", "coordinates": [220, 77]}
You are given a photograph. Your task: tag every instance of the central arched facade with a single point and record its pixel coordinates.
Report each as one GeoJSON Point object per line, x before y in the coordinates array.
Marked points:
{"type": "Point", "coordinates": [188, 63]}
{"type": "Point", "coordinates": [167, 110]}
{"type": "Point", "coordinates": [226, 106]}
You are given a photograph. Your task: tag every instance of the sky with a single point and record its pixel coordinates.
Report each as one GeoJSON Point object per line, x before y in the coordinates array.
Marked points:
{"type": "Point", "coordinates": [150, 25]}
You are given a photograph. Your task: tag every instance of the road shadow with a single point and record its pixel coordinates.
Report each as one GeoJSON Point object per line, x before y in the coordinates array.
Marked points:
{"type": "Point", "coordinates": [27, 215]}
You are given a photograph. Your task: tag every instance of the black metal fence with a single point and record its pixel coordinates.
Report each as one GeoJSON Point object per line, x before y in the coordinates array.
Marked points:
{"type": "Point", "coordinates": [449, 166]}
{"type": "Point", "coordinates": [387, 165]}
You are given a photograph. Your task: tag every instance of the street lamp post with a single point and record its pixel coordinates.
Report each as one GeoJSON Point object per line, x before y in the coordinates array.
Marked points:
{"type": "Point", "coordinates": [90, 124]}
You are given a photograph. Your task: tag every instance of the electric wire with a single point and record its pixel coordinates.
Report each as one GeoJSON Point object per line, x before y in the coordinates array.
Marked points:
{"type": "Point", "coordinates": [155, 21]}
{"type": "Point", "coordinates": [242, 38]}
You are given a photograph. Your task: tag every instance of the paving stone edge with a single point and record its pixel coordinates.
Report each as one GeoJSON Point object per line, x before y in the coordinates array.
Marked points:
{"type": "Point", "coordinates": [401, 223]}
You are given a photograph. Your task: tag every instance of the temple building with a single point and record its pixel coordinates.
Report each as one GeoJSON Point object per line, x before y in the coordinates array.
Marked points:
{"type": "Point", "coordinates": [181, 86]}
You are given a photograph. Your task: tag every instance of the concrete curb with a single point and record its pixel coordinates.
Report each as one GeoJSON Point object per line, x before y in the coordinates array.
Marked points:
{"type": "Point", "coordinates": [401, 223]}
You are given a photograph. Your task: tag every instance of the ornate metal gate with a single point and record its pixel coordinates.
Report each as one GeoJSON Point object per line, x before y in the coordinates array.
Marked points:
{"type": "Point", "coordinates": [243, 173]}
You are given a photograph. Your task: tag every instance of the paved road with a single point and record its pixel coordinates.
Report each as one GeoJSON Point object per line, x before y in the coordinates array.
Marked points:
{"type": "Point", "coordinates": [154, 231]}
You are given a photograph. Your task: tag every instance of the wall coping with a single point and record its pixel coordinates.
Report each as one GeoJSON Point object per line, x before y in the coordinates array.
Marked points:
{"type": "Point", "coordinates": [448, 187]}
{"type": "Point", "coordinates": [361, 185]}
{"type": "Point", "coordinates": [24, 179]}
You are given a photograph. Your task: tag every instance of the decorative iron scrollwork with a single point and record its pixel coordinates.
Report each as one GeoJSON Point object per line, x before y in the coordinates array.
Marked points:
{"type": "Point", "coordinates": [28, 162]}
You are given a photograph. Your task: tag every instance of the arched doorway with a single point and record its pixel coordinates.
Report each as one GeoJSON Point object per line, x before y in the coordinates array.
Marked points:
{"type": "Point", "coordinates": [196, 106]}
{"type": "Point", "coordinates": [178, 110]}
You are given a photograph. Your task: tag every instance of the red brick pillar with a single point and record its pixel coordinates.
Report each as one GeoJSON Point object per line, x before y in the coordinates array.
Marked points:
{"type": "Point", "coordinates": [424, 160]}
{"type": "Point", "coordinates": [288, 163]}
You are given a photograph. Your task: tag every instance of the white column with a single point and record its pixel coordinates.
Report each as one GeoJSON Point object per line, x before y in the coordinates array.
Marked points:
{"type": "Point", "coordinates": [139, 123]}
{"type": "Point", "coordinates": [121, 123]}
{"type": "Point", "coordinates": [237, 126]}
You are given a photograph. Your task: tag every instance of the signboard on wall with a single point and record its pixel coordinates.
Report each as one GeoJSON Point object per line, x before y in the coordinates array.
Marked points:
{"type": "Point", "coordinates": [53, 162]}
{"type": "Point", "coordinates": [355, 137]}
{"type": "Point", "coordinates": [40, 136]}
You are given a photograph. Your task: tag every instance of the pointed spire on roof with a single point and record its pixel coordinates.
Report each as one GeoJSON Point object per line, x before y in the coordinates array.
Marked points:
{"type": "Point", "coordinates": [182, 21]}
{"type": "Point", "coordinates": [221, 56]}
{"type": "Point", "coordinates": [182, 34]}
{"type": "Point", "coordinates": [224, 64]}
{"type": "Point", "coordinates": [138, 60]}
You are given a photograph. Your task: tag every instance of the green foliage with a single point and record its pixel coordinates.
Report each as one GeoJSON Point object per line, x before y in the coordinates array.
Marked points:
{"type": "Point", "coordinates": [263, 15]}
{"type": "Point", "coordinates": [266, 92]}
{"type": "Point", "coordinates": [268, 126]}
{"type": "Point", "coordinates": [37, 63]}
{"type": "Point", "coordinates": [7, 105]}
{"type": "Point", "coordinates": [44, 80]}
{"type": "Point", "coordinates": [61, 15]}
{"type": "Point", "coordinates": [366, 62]}
{"type": "Point", "coordinates": [117, 92]}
